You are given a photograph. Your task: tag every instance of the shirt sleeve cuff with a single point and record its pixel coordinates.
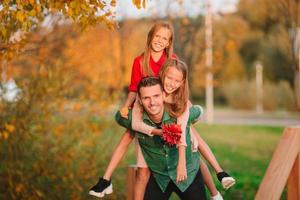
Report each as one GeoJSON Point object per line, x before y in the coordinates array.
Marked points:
{"type": "Point", "coordinates": [183, 144]}
{"type": "Point", "coordinates": [201, 110]}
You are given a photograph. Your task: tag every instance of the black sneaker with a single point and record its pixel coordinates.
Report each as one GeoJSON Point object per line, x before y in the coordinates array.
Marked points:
{"type": "Point", "coordinates": [101, 188]}
{"type": "Point", "coordinates": [226, 180]}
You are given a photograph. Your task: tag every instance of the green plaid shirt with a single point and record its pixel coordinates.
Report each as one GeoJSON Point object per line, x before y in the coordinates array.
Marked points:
{"type": "Point", "coordinates": [162, 159]}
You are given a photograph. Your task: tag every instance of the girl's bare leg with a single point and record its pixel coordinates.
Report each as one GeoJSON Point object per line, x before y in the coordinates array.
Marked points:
{"type": "Point", "coordinates": [209, 156]}
{"type": "Point", "coordinates": [141, 181]}
{"type": "Point", "coordinates": [206, 152]}
{"type": "Point", "coordinates": [208, 180]}
{"type": "Point", "coordinates": [118, 154]}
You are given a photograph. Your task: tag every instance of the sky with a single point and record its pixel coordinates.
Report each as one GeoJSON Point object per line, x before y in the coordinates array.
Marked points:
{"type": "Point", "coordinates": [125, 8]}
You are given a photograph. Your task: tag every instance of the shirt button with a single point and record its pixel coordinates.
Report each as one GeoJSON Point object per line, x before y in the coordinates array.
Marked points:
{"type": "Point", "coordinates": [166, 155]}
{"type": "Point", "coordinates": [168, 167]}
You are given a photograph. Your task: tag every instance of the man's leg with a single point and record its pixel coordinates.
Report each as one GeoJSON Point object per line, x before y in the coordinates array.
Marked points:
{"type": "Point", "coordinates": [195, 191]}
{"type": "Point", "coordinates": [153, 192]}
{"type": "Point", "coordinates": [142, 178]}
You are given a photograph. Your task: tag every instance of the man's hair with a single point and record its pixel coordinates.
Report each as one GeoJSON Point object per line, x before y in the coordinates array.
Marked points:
{"type": "Point", "coordinates": [148, 82]}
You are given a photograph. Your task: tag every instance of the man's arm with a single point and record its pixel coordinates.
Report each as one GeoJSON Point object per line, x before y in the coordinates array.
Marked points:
{"type": "Point", "coordinates": [126, 123]}
{"type": "Point", "coordinates": [196, 112]}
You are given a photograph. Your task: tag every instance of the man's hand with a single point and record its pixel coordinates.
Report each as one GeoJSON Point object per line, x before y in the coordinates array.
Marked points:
{"type": "Point", "coordinates": [181, 172]}
{"type": "Point", "coordinates": [124, 112]}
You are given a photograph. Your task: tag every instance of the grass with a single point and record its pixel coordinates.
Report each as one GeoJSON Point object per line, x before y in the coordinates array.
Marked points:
{"type": "Point", "coordinates": [70, 153]}
{"type": "Point", "coordinates": [243, 151]}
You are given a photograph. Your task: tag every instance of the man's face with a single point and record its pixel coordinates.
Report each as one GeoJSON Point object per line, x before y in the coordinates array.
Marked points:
{"type": "Point", "coordinates": [152, 100]}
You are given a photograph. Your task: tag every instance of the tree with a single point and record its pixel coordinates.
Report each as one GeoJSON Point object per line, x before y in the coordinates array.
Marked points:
{"type": "Point", "coordinates": [18, 17]}
{"type": "Point", "coordinates": [274, 17]}
{"type": "Point", "coordinates": [289, 16]}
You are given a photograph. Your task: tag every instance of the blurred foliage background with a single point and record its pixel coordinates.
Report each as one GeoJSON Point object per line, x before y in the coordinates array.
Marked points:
{"type": "Point", "coordinates": [72, 62]}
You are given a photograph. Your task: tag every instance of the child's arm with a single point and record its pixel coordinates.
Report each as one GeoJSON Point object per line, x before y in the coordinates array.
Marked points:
{"type": "Point", "coordinates": [181, 166]}
{"type": "Point", "coordinates": [183, 120]}
{"type": "Point", "coordinates": [130, 99]}
{"type": "Point", "coordinates": [137, 122]}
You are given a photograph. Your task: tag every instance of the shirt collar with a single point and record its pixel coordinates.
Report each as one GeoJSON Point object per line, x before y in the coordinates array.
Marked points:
{"type": "Point", "coordinates": [166, 117]}
{"type": "Point", "coordinates": [161, 60]}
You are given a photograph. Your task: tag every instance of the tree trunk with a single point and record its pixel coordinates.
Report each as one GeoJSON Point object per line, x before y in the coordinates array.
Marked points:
{"type": "Point", "coordinates": [4, 71]}
{"type": "Point", "coordinates": [297, 88]}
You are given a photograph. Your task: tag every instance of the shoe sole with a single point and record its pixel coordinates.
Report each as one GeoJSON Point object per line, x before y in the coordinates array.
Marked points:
{"type": "Point", "coordinates": [108, 190]}
{"type": "Point", "coordinates": [228, 182]}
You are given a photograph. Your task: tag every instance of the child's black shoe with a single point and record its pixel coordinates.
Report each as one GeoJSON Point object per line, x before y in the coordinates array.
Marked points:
{"type": "Point", "coordinates": [226, 180]}
{"type": "Point", "coordinates": [101, 188]}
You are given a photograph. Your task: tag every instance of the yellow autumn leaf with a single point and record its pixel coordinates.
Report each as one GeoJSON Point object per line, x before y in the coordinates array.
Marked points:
{"type": "Point", "coordinates": [9, 127]}
{"type": "Point", "coordinates": [3, 31]}
{"type": "Point", "coordinates": [9, 55]}
{"type": "Point", "coordinates": [73, 4]}
{"type": "Point", "coordinates": [94, 127]}
{"type": "Point", "coordinates": [19, 187]}
{"type": "Point", "coordinates": [59, 129]}
{"type": "Point", "coordinates": [32, 13]}
{"type": "Point", "coordinates": [137, 3]}
{"type": "Point", "coordinates": [83, 6]}
{"type": "Point", "coordinates": [113, 3]}
{"type": "Point", "coordinates": [38, 8]}
{"type": "Point", "coordinates": [39, 193]}
{"type": "Point", "coordinates": [5, 135]}
{"type": "Point", "coordinates": [20, 16]}
{"type": "Point", "coordinates": [144, 3]}
{"type": "Point", "coordinates": [77, 106]}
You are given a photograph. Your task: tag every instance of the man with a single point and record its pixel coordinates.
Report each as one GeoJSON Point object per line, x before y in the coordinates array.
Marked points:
{"type": "Point", "coordinates": [161, 158]}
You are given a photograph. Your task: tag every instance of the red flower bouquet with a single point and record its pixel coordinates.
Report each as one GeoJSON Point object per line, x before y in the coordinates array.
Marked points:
{"type": "Point", "coordinates": [171, 133]}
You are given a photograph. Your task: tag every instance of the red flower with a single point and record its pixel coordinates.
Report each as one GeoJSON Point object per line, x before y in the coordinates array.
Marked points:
{"type": "Point", "coordinates": [171, 133]}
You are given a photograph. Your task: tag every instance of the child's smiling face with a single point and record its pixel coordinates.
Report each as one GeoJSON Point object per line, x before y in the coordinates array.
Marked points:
{"type": "Point", "coordinates": [173, 80]}
{"type": "Point", "coordinates": [160, 40]}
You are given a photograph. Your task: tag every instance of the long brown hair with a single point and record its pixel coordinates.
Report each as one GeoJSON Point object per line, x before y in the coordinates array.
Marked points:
{"type": "Point", "coordinates": [146, 70]}
{"type": "Point", "coordinates": [181, 95]}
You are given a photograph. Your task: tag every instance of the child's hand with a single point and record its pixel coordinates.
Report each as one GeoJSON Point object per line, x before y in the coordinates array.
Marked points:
{"type": "Point", "coordinates": [124, 112]}
{"type": "Point", "coordinates": [181, 172]}
{"type": "Point", "coordinates": [157, 132]}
